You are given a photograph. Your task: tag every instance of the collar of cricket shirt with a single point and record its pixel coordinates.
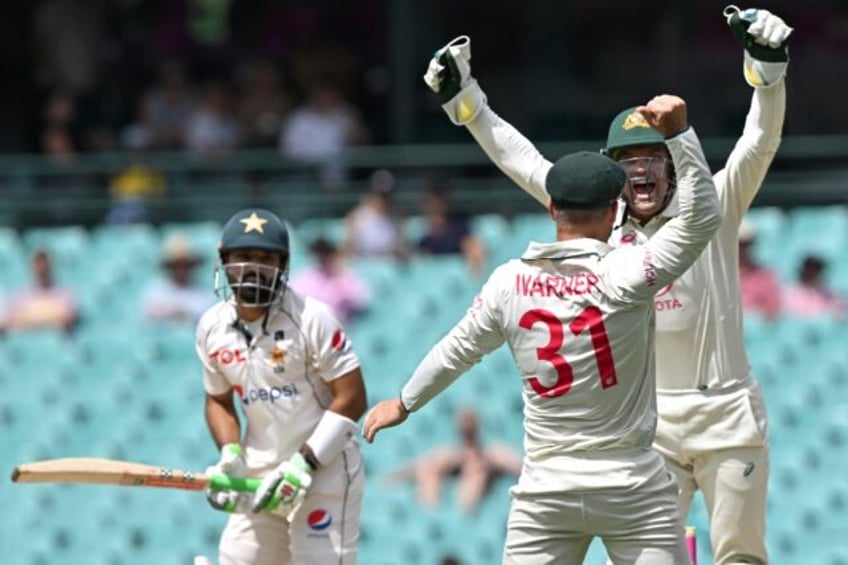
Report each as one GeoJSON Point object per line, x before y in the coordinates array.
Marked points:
{"type": "Point", "coordinates": [569, 249]}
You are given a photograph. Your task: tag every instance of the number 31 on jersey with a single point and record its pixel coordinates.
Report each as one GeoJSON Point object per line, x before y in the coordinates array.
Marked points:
{"type": "Point", "coordinates": [589, 319]}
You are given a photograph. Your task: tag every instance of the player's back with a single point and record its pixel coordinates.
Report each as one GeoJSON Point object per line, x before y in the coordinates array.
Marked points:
{"type": "Point", "coordinates": [585, 357]}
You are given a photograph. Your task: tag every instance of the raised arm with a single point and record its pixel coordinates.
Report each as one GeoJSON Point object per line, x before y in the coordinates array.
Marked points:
{"type": "Point", "coordinates": [764, 37]}
{"type": "Point", "coordinates": [639, 272]}
{"type": "Point", "coordinates": [449, 76]}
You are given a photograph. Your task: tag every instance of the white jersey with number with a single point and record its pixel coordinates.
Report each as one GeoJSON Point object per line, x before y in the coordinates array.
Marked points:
{"type": "Point", "coordinates": [578, 316]}
{"type": "Point", "coordinates": [280, 376]}
{"type": "Point", "coordinates": [700, 344]}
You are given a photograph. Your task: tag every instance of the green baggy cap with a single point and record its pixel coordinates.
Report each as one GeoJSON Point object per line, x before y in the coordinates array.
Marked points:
{"type": "Point", "coordinates": [584, 180]}
{"type": "Point", "coordinates": [629, 128]}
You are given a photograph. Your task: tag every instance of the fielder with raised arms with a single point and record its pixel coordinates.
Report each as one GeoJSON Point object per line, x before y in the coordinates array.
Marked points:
{"type": "Point", "coordinates": [712, 426]}
{"type": "Point", "coordinates": [578, 316]}
{"type": "Point", "coordinates": [286, 360]}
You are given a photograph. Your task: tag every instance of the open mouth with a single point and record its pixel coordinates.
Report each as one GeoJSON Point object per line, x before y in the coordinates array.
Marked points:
{"type": "Point", "coordinates": [642, 189]}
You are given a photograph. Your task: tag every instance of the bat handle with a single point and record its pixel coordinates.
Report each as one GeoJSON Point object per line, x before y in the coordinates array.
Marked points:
{"type": "Point", "coordinates": [240, 484]}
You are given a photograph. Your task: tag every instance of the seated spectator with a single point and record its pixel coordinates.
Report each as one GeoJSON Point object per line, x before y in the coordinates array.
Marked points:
{"type": "Point", "coordinates": [175, 298]}
{"type": "Point", "coordinates": [319, 129]}
{"type": "Point", "coordinates": [760, 287]}
{"type": "Point", "coordinates": [449, 233]}
{"type": "Point", "coordinates": [475, 467]}
{"type": "Point", "coordinates": [212, 128]}
{"type": "Point", "coordinates": [134, 187]}
{"type": "Point", "coordinates": [373, 229]}
{"type": "Point", "coordinates": [168, 105]}
{"type": "Point", "coordinates": [263, 105]}
{"type": "Point", "coordinates": [809, 296]}
{"type": "Point", "coordinates": [45, 305]}
{"type": "Point", "coordinates": [331, 282]}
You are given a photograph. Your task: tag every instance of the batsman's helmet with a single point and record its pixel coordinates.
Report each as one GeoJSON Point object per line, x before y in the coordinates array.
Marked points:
{"type": "Point", "coordinates": [252, 284]}
{"type": "Point", "coordinates": [629, 128]}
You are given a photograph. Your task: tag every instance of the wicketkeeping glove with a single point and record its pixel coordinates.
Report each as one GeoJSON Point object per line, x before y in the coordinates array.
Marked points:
{"type": "Point", "coordinates": [232, 464]}
{"type": "Point", "coordinates": [764, 36]}
{"type": "Point", "coordinates": [289, 481]}
{"type": "Point", "coordinates": [449, 76]}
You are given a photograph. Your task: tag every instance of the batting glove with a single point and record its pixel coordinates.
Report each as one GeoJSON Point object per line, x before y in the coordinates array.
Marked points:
{"type": "Point", "coordinates": [286, 485]}
{"type": "Point", "coordinates": [232, 464]}
{"type": "Point", "coordinates": [764, 36]}
{"type": "Point", "coordinates": [449, 76]}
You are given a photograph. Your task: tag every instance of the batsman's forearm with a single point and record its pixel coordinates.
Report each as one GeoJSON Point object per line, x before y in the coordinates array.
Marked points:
{"type": "Point", "coordinates": [512, 153]}
{"type": "Point", "coordinates": [222, 420]}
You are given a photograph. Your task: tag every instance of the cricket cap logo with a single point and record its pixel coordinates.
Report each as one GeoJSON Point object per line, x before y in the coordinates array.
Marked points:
{"type": "Point", "coordinates": [634, 120]}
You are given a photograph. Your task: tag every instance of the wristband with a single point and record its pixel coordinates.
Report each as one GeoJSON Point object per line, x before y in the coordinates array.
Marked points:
{"type": "Point", "coordinates": [331, 435]}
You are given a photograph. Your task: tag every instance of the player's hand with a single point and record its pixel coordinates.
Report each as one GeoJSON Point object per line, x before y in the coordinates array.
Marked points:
{"type": "Point", "coordinates": [286, 485]}
{"type": "Point", "coordinates": [232, 464]}
{"type": "Point", "coordinates": [450, 69]}
{"type": "Point", "coordinates": [764, 36]}
{"type": "Point", "coordinates": [665, 113]}
{"type": "Point", "coordinates": [385, 414]}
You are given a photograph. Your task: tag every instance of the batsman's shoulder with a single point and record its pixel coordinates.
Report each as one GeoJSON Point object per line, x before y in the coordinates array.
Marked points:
{"type": "Point", "coordinates": [218, 313]}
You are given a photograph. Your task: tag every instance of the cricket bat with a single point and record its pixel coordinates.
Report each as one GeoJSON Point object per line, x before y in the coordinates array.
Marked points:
{"type": "Point", "coordinates": [124, 473]}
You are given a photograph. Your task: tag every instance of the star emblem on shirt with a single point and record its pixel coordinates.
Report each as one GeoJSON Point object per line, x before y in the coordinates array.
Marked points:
{"type": "Point", "coordinates": [254, 223]}
{"type": "Point", "coordinates": [278, 356]}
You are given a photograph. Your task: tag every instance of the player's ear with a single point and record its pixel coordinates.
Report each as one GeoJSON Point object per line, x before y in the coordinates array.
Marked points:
{"type": "Point", "coordinates": [551, 209]}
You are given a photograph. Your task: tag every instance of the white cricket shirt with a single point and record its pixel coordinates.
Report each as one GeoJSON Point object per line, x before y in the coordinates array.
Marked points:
{"type": "Point", "coordinates": [578, 316]}
{"type": "Point", "coordinates": [700, 343]}
{"type": "Point", "coordinates": [281, 379]}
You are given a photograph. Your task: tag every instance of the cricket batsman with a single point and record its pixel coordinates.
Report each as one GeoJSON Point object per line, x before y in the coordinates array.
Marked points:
{"type": "Point", "coordinates": [712, 426]}
{"type": "Point", "coordinates": [285, 359]}
{"type": "Point", "coordinates": [578, 316]}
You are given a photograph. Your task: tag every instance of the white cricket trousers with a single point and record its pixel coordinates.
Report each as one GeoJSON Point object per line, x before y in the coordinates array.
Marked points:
{"type": "Point", "coordinates": [639, 526]}
{"type": "Point", "coordinates": [717, 441]}
{"type": "Point", "coordinates": [323, 531]}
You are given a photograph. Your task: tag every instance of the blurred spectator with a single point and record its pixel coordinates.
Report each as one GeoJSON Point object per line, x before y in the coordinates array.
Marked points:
{"type": "Point", "coordinates": [320, 128]}
{"type": "Point", "coordinates": [759, 285]}
{"type": "Point", "coordinates": [809, 296]}
{"type": "Point", "coordinates": [135, 186]}
{"type": "Point", "coordinates": [168, 107]}
{"type": "Point", "coordinates": [263, 105]}
{"type": "Point", "coordinates": [45, 305]}
{"type": "Point", "coordinates": [449, 233]}
{"type": "Point", "coordinates": [331, 282]}
{"type": "Point", "coordinates": [175, 298]}
{"type": "Point", "coordinates": [475, 467]}
{"type": "Point", "coordinates": [212, 128]}
{"type": "Point", "coordinates": [373, 229]}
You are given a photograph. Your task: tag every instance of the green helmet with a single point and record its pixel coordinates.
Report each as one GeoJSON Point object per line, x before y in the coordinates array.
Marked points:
{"type": "Point", "coordinates": [255, 228]}
{"type": "Point", "coordinates": [252, 284]}
{"type": "Point", "coordinates": [628, 129]}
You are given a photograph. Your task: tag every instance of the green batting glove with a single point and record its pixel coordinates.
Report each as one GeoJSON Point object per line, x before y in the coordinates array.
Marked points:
{"type": "Point", "coordinates": [286, 485]}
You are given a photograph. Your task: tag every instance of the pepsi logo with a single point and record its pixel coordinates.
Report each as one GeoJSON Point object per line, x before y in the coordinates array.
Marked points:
{"type": "Point", "coordinates": [319, 520]}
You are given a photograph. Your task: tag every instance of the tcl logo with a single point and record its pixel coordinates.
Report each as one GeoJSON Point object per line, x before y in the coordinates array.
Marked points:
{"type": "Point", "coordinates": [228, 356]}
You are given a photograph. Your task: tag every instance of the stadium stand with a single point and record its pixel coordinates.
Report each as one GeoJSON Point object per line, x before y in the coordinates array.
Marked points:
{"type": "Point", "coordinates": [120, 388]}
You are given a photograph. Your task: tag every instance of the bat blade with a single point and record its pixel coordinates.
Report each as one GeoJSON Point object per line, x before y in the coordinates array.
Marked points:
{"type": "Point", "coordinates": [107, 472]}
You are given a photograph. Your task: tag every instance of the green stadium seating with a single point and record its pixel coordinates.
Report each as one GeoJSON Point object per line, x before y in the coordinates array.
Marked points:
{"type": "Point", "coordinates": [121, 388]}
